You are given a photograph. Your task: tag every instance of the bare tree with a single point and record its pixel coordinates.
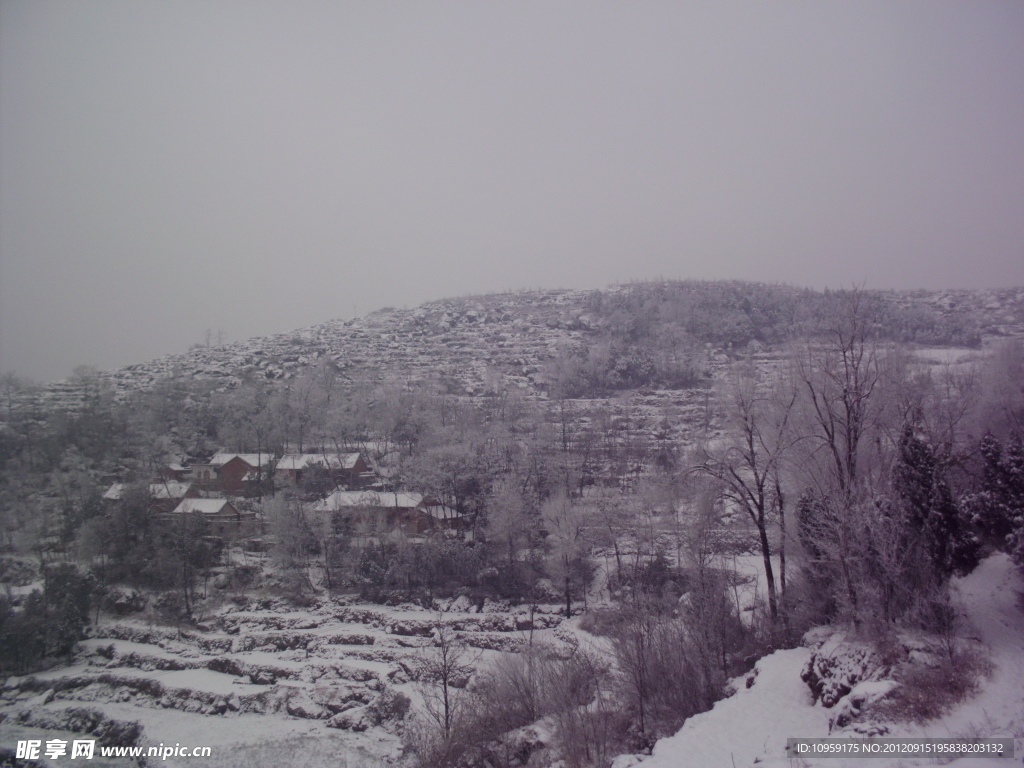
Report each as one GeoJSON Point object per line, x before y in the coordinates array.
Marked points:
{"type": "Point", "coordinates": [445, 671]}
{"type": "Point", "coordinates": [569, 559]}
{"type": "Point", "coordinates": [749, 465]}
{"type": "Point", "coordinates": [508, 523]}
{"type": "Point", "coordinates": [848, 421]}
{"type": "Point", "coordinates": [295, 533]}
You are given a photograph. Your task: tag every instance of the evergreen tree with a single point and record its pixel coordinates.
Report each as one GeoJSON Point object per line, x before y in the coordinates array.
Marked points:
{"type": "Point", "coordinates": [998, 506]}
{"type": "Point", "coordinates": [949, 542]}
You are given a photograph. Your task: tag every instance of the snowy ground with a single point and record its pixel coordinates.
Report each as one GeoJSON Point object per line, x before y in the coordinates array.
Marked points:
{"type": "Point", "coordinates": [751, 727]}
{"type": "Point", "coordinates": [263, 685]}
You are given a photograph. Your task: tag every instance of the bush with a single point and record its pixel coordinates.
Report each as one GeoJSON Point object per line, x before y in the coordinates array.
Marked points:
{"type": "Point", "coordinates": [601, 621]}
{"type": "Point", "coordinates": [928, 692]}
{"type": "Point", "coordinates": [516, 691]}
{"type": "Point", "coordinates": [123, 602]}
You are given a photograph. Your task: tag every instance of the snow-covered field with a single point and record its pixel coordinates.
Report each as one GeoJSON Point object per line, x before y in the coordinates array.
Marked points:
{"type": "Point", "coordinates": [264, 685]}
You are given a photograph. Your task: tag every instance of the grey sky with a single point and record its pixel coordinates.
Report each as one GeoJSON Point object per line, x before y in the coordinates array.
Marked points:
{"type": "Point", "coordinates": [168, 167]}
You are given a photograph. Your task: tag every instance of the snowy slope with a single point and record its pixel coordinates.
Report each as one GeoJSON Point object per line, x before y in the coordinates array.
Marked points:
{"type": "Point", "coordinates": [751, 727]}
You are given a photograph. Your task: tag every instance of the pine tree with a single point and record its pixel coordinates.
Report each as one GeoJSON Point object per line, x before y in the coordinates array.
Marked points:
{"type": "Point", "coordinates": [949, 542]}
{"type": "Point", "coordinates": [998, 507]}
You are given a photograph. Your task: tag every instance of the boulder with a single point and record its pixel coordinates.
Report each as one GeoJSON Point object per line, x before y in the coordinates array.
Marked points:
{"type": "Point", "coordinates": [355, 719]}
{"type": "Point", "coordinates": [302, 705]}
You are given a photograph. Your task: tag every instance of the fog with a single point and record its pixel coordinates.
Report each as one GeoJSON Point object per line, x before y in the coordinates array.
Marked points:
{"type": "Point", "coordinates": [250, 168]}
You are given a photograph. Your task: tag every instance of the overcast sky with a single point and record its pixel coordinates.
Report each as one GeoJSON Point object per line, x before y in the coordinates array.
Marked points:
{"type": "Point", "coordinates": [255, 167]}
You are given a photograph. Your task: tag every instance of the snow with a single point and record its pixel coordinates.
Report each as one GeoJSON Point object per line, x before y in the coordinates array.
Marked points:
{"type": "Point", "coordinates": [194, 705]}
{"type": "Point", "coordinates": [203, 506]}
{"type": "Point", "coordinates": [298, 461]}
{"type": "Point", "coordinates": [205, 680]}
{"type": "Point", "coordinates": [754, 723]}
{"type": "Point", "coordinates": [939, 355]}
{"type": "Point", "coordinates": [252, 459]}
{"type": "Point", "coordinates": [165, 490]}
{"type": "Point", "coordinates": [340, 499]}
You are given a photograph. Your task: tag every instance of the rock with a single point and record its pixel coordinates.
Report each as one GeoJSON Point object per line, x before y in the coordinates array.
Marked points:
{"type": "Point", "coordinates": [339, 698]}
{"type": "Point", "coordinates": [302, 705]}
{"type": "Point", "coordinates": [838, 665]}
{"type": "Point", "coordinates": [355, 719]}
{"type": "Point", "coordinates": [859, 698]}
{"type": "Point", "coordinates": [391, 704]}
{"type": "Point", "coordinates": [259, 677]}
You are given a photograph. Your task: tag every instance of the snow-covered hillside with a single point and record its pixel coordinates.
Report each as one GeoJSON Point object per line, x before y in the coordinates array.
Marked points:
{"type": "Point", "coordinates": [467, 341]}
{"type": "Point", "coordinates": [751, 726]}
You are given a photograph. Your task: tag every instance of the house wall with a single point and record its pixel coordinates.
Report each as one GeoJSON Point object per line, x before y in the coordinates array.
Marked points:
{"type": "Point", "coordinates": [231, 474]}
{"type": "Point", "coordinates": [205, 476]}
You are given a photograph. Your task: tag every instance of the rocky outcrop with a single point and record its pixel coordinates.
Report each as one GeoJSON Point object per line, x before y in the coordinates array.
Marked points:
{"type": "Point", "coordinates": [837, 664]}
{"type": "Point", "coordinates": [107, 731]}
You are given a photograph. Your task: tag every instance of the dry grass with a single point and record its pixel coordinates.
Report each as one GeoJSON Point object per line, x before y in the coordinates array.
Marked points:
{"type": "Point", "coordinates": [928, 692]}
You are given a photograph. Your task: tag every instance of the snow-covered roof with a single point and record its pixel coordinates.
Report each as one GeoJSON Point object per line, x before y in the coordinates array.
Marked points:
{"type": "Point", "coordinates": [114, 492]}
{"type": "Point", "coordinates": [202, 506]}
{"type": "Point", "coordinates": [296, 461]}
{"type": "Point", "coordinates": [252, 459]}
{"type": "Point", "coordinates": [168, 490]}
{"type": "Point", "coordinates": [390, 500]}
{"type": "Point", "coordinates": [441, 512]}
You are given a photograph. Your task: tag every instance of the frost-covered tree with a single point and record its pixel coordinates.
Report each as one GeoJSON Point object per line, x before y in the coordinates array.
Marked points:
{"type": "Point", "coordinates": [569, 564]}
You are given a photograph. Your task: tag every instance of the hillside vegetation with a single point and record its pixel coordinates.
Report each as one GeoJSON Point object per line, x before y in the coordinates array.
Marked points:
{"type": "Point", "coordinates": [625, 497]}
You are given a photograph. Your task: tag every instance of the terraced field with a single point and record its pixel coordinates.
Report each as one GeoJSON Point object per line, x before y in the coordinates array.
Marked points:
{"type": "Point", "coordinates": [262, 683]}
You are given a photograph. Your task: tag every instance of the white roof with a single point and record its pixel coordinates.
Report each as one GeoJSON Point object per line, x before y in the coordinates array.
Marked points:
{"type": "Point", "coordinates": [390, 500]}
{"type": "Point", "coordinates": [305, 460]}
{"type": "Point", "coordinates": [252, 459]}
{"type": "Point", "coordinates": [168, 490]}
{"type": "Point", "coordinates": [203, 506]}
{"type": "Point", "coordinates": [440, 512]}
{"type": "Point", "coordinates": [114, 492]}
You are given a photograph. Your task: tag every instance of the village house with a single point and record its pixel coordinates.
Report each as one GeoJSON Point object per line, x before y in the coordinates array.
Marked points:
{"type": "Point", "coordinates": [347, 469]}
{"type": "Point", "coordinates": [375, 512]}
{"type": "Point", "coordinates": [236, 474]}
{"type": "Point", "coordinates": [164, 496]}
{"type": "Point", "coordinates": [224, 518]}
{"type": "Point", "coordinates": [176, 471]}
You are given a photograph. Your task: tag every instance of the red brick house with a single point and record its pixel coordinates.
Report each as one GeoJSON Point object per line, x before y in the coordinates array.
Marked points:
{"type": "Point", "coordinates": [377, 512]}
{"type": "Point", "coordinates": [345, 468]}
{"type": "Point", "coordinates": [176, 471]}
{"type": "Point", "coordinates": [233, 473]}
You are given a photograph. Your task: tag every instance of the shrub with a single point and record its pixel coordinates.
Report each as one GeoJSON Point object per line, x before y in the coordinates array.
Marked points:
{"type": "Point", "coordinates": [928, 692]}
